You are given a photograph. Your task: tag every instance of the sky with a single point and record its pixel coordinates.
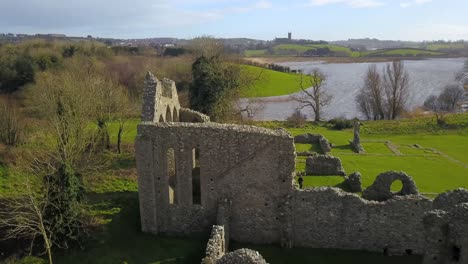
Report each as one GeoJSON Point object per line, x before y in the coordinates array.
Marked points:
{"type": "Point", "coordinates": [259, 19]}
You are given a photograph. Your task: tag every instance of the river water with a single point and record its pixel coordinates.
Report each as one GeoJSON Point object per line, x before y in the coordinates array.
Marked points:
{"type": "Point", "coordinates": [345, 79]}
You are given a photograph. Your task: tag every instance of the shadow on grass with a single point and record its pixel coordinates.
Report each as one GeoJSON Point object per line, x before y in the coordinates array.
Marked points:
{"type": "Point", "coordinates": [277, 255]}
{"type": "Point", "coordinates": [121, 240]}
{"type": "Point", "coordinates": [344, 147]}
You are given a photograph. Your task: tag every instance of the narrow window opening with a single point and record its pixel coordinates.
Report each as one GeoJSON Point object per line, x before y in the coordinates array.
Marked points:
{"type": "Point", "coordinates": [175, 115]}
{"type": "Point", "coordinates": [196, 186]}
{"type": "Point", "coordinates": [168, 114]}
{"type": "Point", "coordinates": [171, 174]}
{"type": "Point", "coordinates": [161, 119]}
{"type": "Point", "coordinates": [456, 253]}
{"type": "Point", "coordinates": [409, 252]}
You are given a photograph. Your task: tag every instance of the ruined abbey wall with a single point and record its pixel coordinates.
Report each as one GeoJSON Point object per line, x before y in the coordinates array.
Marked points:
{"type": "Point", "coordinates": [331, 218]}
{"type": "Point", "coordinates": [252, 166]}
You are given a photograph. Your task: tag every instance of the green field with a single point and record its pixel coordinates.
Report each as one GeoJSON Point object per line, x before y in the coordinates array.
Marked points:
{"type": "Point", "coordinates": [403, 53]}
{"type": "Point", "coordinates": [271, 83]}
{"type": "Point", "coordinates": [255, 53]}
{"type": "Point", "coordinates": [445, 46]}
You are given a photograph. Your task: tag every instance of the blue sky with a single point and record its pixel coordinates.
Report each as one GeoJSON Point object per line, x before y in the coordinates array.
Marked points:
{"type": "Point", "coordinates": [260, 19]}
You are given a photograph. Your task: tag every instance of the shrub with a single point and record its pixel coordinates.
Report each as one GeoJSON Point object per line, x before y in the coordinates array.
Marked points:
{"type": "Point", "coordinates": [297, 119]}
{"type": "Point", "coordinates": [341, 123]}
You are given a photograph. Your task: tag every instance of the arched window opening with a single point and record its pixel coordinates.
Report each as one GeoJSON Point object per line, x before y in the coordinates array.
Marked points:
{"type": "Point", "coordinates": [171, 175]}
{"type": "Point", "coordinates": [168, 115]}
{"type": "Point", "coordinates": [196, 185]}
{"type": "Point", "coordinates": [175, 115]}
{"type": "Point", "coordinates": [161, 119]}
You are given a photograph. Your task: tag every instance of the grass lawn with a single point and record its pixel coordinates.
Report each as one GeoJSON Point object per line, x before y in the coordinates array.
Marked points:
{"type": "Point", "coordinates": [271, 83]}
{"type": "Point", "coordinates": [440, 164]}
{"type": "Point", "coordinates": [278, 255]}
{"type": "Point", "coordinates": [121, 241]}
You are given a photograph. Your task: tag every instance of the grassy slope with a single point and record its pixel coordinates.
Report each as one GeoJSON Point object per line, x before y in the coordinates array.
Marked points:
{"type": "Point", "coordinates": [253, 53]}
{"type": "Point", "coordinates": [271, 83]}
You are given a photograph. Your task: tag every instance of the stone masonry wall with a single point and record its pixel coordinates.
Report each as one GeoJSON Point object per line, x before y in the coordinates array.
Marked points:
{"type": "Point", "coordinates": [323, 165]}
{"type": "Point", "coordinates": [314, 139]}
{"type": "Point", "coordinates": [215, 248]}
{"type": "Point", "coordinates": [160, 100]}
{"type": "Point", "coordinates": [254, 167]}
{"type": "Point", "coordinates": [330, 218]}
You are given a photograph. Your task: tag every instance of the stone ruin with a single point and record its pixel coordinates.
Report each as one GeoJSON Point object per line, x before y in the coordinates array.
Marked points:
{"type": "Point", "coordinates": [356, 143]}
{"type": "Point", "coordinates": [324, 144]}
{"type": "Point", "coordinates": [324, 165]}
{"type": "Point", "coordinates": [237, 183]}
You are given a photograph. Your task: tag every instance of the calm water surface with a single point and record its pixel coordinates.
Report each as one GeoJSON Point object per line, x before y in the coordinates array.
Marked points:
{"type": "Point", "coordinates": [345, 79]}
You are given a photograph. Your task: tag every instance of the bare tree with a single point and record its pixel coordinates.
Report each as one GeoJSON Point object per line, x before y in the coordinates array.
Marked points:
{"type": "Point", "coordinates": [313, 93]}
{"type": "Point", "coordinates": [370, 98]}
{"type": "Point", "coordinates": [10, 123]}
{"type": "Point", "coordinates": [462, 76]}
{"type": "Point", "coordinates": [451, 97]}
{"type": "Point", "coordinates": [396, 87]}
{"type": "Point", "coordinates": [24, 216]}
{"type": "Point", "coordinates": [432, 103]}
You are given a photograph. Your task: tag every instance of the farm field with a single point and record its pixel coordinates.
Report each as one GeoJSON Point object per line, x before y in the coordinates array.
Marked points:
{"type": "Point", "coordinates": [300, 49]}
{"type": "Point", "coordinates": [278, 83]}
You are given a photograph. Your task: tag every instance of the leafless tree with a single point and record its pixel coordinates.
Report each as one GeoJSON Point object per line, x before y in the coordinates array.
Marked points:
{"type": "Point", "coordinates": [462, 76]}
{"type": "Point", "coordinates": [432, 103]}
{"type": "Point", "coordinates": [10, 123]}
{"type": "Point", "coordinates": [313, 93]}
{"type": "Point", "coordinates": [24, 216]}
{"type": "Point", "coordinates": [370, 99]}
{"type": "Point", "coordinates": [396, 86]}
{"type": "Point", "coordinates": [451, 97]}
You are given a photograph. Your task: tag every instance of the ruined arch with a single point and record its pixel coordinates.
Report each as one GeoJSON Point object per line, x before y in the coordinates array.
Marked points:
{"type": "Point", "coordinates": [380, 190]}
{"type": "Point", "coordinates": [175, 115]}
{"type": "Point", "coordinates": [168, 114]}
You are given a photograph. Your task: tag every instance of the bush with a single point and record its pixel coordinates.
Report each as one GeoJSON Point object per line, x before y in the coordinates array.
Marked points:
{"type": "Point", "coordinates": [297, 119]}
{"type": "Point", "coordinates": [341, 123]}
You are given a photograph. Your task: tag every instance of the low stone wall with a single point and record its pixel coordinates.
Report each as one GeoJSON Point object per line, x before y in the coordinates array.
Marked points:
{"type": "Point", "coordinates": [242, 256]}
{"type": "Point", "coordinates": [353, 182]}
{"type": "Point", "coordinates": [314, 139]}
{"type": "Point", "coordinates": [324, 165]}
{"type": "Point", "coordinates": [191, 116]}
{"type": "Point", "coordinates": [331, 218]}
{"type": "Point", "coordinates": [216, 247]}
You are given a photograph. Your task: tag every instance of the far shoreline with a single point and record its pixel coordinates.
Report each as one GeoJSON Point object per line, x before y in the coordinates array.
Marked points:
{"type": "Point", "coordinates": [328, 60]}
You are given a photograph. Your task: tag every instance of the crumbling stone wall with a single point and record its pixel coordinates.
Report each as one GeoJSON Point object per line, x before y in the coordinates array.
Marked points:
{"type": "Point", "coordinates": [380, 189]}
{"type": "Point", "coordinates": [242, 256]}
{"type": "Point", "coordinates": [353, 182]}
{"type": "Point", "coordinates": [331, 218]}
{"type": "Point", "coordinates": [252, 166]}
{"type": "Point", "coordinates": [314, 139]}
{"type": "Point", "coordinates": [323, 165]}
{"type": "Point", "coordinates": [160, 100]}
{"type": "Point", "coordinates": [215, 247]}
{"type": "Point", "coordinates": [191, 116]}
{"type": "Point", "coordinates": [447, 229]}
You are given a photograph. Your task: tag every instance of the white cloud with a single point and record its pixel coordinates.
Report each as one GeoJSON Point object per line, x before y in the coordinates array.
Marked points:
{"type": "Point", "coordinates": [351, 3]}
{"type": "Point", "coordinates": [414, 3]}
{"type": "Point", "coordinates": [435, 32]}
